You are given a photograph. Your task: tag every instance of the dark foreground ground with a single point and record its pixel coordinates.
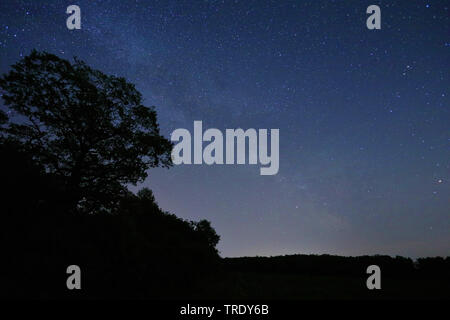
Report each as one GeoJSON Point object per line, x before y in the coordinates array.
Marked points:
{"type": "Point", "coordinates": [279, 278]}
{"type": "Point", "coordinates": [266, 286]}
{"type": "Point", "coordinates": [233, 280]}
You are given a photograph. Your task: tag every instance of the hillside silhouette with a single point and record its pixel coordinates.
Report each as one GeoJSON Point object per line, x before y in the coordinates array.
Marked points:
{"type": "Point", "coordinates": [73, 140]}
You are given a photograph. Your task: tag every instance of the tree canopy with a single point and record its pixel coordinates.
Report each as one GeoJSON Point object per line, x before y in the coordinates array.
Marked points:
{"type": "Point", "coordinates": [90, 128]}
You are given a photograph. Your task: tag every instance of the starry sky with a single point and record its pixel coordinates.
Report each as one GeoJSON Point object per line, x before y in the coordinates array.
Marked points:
{"type": "Point", "coordinates": [363, 114]}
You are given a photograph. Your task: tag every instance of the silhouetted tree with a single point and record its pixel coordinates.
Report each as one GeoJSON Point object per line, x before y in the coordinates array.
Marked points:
{"type": "Point", "coordinates": [207, 232]}
{"type": "Point", "coordinates": [83, 125]}
{"type": "Point", "coordinates": [74, 139]}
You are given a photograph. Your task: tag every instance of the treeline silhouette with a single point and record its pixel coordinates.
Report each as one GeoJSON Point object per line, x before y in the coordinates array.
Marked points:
{"type": "Point", "coordinates": [319, 265]}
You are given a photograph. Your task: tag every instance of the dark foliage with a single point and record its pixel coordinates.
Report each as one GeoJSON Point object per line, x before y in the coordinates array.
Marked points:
{"type": "Point", "coordinates": [140, 251]}
{"type": "Point", "coordinates": [89, 128]}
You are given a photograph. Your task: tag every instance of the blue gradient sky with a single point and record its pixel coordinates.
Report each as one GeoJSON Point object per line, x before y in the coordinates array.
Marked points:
{"type": "Point", "coordinates": [363, 115]}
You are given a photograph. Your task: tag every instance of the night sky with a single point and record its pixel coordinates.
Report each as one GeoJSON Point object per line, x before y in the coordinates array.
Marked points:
{"type": "Point", "coordinates": [363, 114]}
